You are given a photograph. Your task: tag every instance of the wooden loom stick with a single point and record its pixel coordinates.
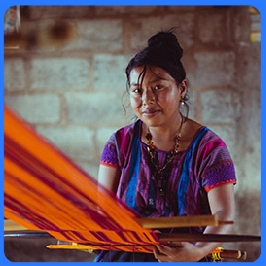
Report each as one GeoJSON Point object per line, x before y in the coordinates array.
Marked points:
{"type": "Point", "coordinates": [159, 222]}
{"type": "Point", "coordinates": [181, 221]}
{"type": "Point", "coordinates": [207, 238]}
{"type": "Point", "coordinates": [161, 237]}
{"type": "Point", "coordinates": [231, 254]}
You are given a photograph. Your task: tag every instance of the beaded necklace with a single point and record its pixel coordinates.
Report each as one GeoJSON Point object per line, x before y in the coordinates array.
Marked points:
{"type": "Point", "coordinates": [151, 148]}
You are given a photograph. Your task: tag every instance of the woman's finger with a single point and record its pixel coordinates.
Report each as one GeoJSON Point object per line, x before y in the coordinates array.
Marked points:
{"type": "Point", "coordinates": [164, 249]}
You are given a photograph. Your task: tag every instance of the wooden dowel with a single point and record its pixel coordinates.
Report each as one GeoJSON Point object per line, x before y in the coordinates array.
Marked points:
{"type": "Point", "coordinates": [181, 221]}
{"type": "Point", "coordinates": [160, 222]}
{"type": "Point", "coordinates": [233, 254]}
{"type": "Point", "coordinates": [206, 238]}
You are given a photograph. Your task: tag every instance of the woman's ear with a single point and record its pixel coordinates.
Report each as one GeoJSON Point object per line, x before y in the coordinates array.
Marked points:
{"type": "Point", "coordinates": [183, 87]}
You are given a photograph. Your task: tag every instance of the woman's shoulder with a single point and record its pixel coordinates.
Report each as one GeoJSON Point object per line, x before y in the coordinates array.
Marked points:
{"type": "Point", "coordinates": [201, 134]}
{"type": "Point", "coordinates": [212, 136]}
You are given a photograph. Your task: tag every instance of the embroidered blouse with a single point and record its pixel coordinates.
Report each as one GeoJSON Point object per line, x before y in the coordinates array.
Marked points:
{"type": "Point", "coordinates": [203, 166]}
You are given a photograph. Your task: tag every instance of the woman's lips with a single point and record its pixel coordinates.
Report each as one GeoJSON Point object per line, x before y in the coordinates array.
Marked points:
{"type": "Point", "coordinates": [150, 112]}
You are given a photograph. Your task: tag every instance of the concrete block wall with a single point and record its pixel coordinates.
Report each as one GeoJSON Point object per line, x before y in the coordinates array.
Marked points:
{"type": "Point", "coordinates": [72, 92]}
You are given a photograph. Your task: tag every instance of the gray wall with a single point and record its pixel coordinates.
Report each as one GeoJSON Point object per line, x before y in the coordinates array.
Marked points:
{"type": "Point", "coordinates": [71, 91]}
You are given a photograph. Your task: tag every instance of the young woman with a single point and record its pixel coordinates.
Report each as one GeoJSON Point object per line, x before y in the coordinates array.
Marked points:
{"type": "Point", "coordinates": [165, 164]}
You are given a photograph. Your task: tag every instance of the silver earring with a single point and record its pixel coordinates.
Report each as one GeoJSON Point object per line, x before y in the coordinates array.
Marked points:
{"type": "Point", "coordinates": [182, 102]}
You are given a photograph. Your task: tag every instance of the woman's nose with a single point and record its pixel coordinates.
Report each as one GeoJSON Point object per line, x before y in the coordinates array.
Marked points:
{"type": "Point", "coordinates": [148, 97]}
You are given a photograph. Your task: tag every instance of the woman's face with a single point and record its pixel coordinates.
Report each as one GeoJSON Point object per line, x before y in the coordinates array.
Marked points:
{"type": "Point", "coordinates": [155, 97]}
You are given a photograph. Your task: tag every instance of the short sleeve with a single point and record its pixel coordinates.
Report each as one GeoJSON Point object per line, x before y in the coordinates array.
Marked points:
{"type": "Point", "coordinates": [109, 155]}
{"type": "Point", "coordinates": [217, 167]}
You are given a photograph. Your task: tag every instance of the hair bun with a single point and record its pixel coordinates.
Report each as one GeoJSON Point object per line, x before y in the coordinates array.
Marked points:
{"type": "Point", "coordinates": [166, 42]}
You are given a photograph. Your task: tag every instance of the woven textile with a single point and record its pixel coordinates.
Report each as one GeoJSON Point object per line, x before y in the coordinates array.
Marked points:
{"type": "Point", "coordinates": [44, 190]}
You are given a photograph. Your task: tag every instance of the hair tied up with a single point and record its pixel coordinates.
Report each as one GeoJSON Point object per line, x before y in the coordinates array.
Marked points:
{"type": "Point", "coordinates": [166, 41]}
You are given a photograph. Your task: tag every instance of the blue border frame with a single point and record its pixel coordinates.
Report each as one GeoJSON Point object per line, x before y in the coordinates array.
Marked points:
{"type": "Point", "coordinates": [256, 3]}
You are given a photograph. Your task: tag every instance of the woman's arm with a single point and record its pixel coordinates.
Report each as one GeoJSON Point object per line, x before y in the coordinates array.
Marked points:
{"type": "Point", "coordinates": [109, 177]}
{"type": "Point", "coordinates": [222, 203]}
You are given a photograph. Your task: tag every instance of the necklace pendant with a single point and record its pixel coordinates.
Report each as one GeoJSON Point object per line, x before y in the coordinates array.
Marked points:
{"type": "Point", "coordinates": [160, 186]}
{"type": "Point", "coordinates": [161, 191]}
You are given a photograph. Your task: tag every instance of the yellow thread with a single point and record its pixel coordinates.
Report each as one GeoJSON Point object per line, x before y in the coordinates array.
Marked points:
{"type": "Point", "coordinates": [216, 254]}
{"type": "Point", "coordinates": [89, 250]}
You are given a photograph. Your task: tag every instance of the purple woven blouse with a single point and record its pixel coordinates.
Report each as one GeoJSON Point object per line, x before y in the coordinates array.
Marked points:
{"type": "Point", "coordinates": [204, 165]}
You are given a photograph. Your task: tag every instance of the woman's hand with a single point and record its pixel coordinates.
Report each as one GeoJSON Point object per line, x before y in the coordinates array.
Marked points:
{"type": "Point", "coordinates": [222, 204]}
{"type": "Point", "coordinates": [177, 252]}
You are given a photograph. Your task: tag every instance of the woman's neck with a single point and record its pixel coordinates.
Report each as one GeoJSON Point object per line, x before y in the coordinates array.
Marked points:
{"type": "Point", "coordinates": [164, 136]}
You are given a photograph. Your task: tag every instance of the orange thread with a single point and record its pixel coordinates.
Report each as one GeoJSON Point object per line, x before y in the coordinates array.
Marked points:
{"type": "Point", "coordinates": [45, 190]}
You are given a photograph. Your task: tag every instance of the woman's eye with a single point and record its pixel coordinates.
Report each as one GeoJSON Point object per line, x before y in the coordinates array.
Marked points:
{"type": "Point", "coordinates": [157, 87]}
{"type": "Point", "coordinates": [138, 90]}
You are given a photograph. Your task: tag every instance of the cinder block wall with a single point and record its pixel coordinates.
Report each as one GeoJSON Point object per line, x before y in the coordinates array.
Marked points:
{"type": "Point", "coordinates": [72, 91]}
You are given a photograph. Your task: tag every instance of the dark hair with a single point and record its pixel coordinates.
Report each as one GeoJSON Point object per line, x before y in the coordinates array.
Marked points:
{"type": "Point", "coordinates": [163, 51]}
